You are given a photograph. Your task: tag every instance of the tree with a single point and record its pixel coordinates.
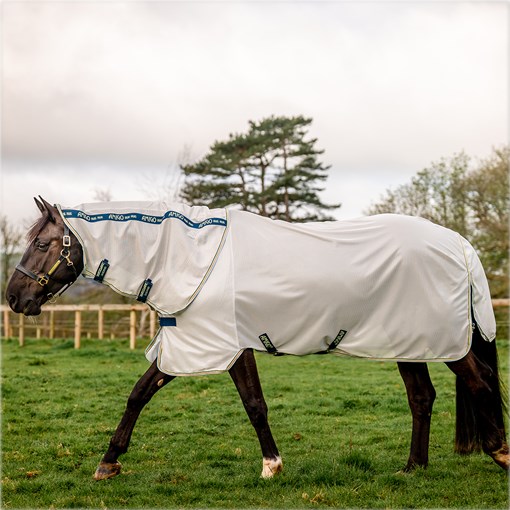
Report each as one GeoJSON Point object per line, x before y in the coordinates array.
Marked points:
{"type": "Point", "coordinates": [102, 195]}
{"type": "Point", "coordinates": [437, 193]}
{"type": "Point", "coordinates": [272, 170]}
{"type": "Point", "coordinates": [10, 244]}
{"type": "Point", "coordinates": [489, 201]}
{"type": "Point", "coordinates": [472, 200]}
{"type": "Point", "coordinates": [166, 185]}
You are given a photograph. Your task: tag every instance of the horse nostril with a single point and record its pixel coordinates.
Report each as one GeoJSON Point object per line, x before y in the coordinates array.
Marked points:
{"type": "Point", "coordinates": [12, 300]}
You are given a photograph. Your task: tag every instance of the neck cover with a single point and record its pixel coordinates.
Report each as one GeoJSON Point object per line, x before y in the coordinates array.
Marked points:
{"type": "Point", "coordinates": [159, 252]}
{"type": "Point", "coordinates": [385, 287]}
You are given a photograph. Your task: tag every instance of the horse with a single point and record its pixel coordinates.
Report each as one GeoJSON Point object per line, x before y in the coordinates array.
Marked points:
{"type": "Point", "coordinates": [58, 251]}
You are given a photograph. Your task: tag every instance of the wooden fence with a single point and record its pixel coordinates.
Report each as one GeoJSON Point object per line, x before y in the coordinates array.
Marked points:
{"type": "Point", "coordinates": [49, 327]}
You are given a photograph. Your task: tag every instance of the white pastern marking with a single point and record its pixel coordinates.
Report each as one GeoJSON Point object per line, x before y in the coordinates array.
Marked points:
{"type": "Point", "coordinates": [271, 466]}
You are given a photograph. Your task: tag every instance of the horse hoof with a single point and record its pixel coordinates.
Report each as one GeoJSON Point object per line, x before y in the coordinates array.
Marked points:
{"type": "Point", "coordinates": [271, 467]}
{"type": "Point", "coordinates": [107, 470]}
{"type": "Point", "coordinates": [502, 457]}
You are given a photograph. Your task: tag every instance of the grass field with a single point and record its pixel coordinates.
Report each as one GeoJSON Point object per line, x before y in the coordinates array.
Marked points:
{"type": "Point", "coordinates": [342, 425]}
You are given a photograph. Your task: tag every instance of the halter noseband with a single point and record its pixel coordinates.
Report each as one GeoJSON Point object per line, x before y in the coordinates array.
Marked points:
{"type": "Point", "coordinates": [64, 255]}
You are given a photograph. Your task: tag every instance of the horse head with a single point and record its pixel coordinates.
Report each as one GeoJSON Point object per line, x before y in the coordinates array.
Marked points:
{"type": "Point", "coordinates": [52, 261]}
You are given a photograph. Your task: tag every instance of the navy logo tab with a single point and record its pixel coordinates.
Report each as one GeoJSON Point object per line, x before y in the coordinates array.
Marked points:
{"type": "Point", "coordinates": [143, 294]}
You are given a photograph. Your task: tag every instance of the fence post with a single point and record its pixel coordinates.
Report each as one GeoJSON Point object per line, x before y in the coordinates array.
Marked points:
{"type": "Point", "coordinates": [100, 323]}
{"type": "Point", "coordinates": [21, 330]}
{"type": "Point", "coordinates": [46, 325]}
{"type": "Point", "coordinates": [52, 323]}
{"type": "Point", "coordinates": [152, 323]}
{"type": "Point", "coordinates": [132, 329]}
{"type": "Point", "coordinates": [77, 329]}
{"type": "Point", "coordinates": [7, 325]}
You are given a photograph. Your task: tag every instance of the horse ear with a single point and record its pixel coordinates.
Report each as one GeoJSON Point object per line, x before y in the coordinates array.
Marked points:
{"type": "Point", "coordinates": [49, 209]}
{"type": "Point", "coordinates": [40, 205]}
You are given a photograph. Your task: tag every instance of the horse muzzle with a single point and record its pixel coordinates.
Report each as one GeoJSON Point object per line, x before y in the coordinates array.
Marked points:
{"type": "Point", "coordinates": [21, 297]}
{"type": "Point", "coordinates": [26, 306]}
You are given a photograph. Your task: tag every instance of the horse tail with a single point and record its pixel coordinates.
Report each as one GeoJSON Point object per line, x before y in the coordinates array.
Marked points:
{"type": "Point", "coordinates": [468, 435]}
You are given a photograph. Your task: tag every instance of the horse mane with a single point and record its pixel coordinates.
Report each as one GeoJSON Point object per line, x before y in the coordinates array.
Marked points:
{"type": "Point", "coordinates": [36, 228]}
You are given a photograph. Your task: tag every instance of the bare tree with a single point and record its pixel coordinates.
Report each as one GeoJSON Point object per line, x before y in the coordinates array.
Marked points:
{"type": "Point", "coordinates": [167, 185]}
{"type": "Point", "coordinates": [11, 238]}
{"type": "Point", "coordinates": [102, 195]}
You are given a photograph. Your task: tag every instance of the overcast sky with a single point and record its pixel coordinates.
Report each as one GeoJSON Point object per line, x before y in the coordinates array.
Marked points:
{"type": "Point", "coordinates": [107, 95]}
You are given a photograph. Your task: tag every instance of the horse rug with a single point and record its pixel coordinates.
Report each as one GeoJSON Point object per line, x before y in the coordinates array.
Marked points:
{"type": "Point", "coordinates": [384, 287]}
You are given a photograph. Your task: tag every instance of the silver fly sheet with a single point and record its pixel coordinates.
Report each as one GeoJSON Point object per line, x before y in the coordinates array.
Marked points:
{"type": "Point", "coordinates": [386, 287]}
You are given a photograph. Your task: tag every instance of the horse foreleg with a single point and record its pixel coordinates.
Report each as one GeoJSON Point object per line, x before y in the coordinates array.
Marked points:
{"type": "Point", "coordinates": [143, 391]}
{"type": "Point", "coordinates": [246, 378]}
{"type": "Point", "coordinates": [421, 396]}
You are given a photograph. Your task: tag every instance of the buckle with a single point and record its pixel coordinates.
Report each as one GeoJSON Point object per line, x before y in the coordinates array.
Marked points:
{"type": "Point", "coordinates": [66, 241]}
{"type": "Point", "coordinates": [43, 280]}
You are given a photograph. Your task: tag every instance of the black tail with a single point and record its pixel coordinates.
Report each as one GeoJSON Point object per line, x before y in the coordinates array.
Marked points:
{"type": "Point", "coordinates": [468, 436]}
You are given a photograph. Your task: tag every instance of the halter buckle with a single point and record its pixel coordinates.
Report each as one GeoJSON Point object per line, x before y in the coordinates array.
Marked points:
{"type": "Point", "coordinates": [66, 241]}
{"type": "Point", "coordinates": [43, 280]}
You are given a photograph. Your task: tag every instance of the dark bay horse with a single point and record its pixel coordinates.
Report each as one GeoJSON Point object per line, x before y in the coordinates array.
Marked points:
{"type": "Point", "coordinates": [54, 259]}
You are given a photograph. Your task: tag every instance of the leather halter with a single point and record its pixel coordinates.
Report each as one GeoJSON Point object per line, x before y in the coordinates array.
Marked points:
{"type": "Point", "coordinates": [45, 279]}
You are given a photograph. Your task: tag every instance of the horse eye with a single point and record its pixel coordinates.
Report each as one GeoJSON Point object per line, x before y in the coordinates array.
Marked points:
{"type": "Point", "coordinates": [41, 245]}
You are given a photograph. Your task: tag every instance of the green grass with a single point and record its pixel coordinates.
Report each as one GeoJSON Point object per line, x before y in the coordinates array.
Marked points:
{"type": "Point", "coordinates": [342, 425]}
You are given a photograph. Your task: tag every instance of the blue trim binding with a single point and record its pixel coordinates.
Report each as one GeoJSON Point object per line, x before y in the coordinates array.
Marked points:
{"type": "Point", "coordinates": [167, 321]}
{"type": "Point", "coordinates": [145, 218]}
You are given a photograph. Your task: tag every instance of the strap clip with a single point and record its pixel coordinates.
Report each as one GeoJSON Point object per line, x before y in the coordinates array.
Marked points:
{"type": "Point", "coordinates": [143, 294]}
{"type": "Point", "coordinates": [101, 270]}
{"type": "Point", "coordinates": [270, 348]}
{"type": "Point", "coordinates": [337, 340]}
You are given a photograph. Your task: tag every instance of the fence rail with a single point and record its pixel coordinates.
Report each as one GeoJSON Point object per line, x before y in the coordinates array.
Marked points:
{"type": "Point", "coordinates": [500, 302]}
{"type": "Point", "coordinates": [49, 326]}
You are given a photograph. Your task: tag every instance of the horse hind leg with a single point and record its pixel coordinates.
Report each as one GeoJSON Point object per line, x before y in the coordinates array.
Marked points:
{"type": "Point", "coordinates": [143, 391]}
{"type": "Point", "coordinates": [483, 406]}
{"type": "Point", "coordinates": [421, 396]}
{"type": "Point", "coordinates": [245, 376]}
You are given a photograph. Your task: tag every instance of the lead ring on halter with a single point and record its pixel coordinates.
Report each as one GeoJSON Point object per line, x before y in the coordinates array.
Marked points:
{"type": "Point", "coordinates": [64, 255]}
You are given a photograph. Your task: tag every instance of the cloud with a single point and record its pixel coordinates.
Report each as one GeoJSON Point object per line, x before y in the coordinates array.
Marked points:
{"type": "Point", "coordinates": [391, 86]}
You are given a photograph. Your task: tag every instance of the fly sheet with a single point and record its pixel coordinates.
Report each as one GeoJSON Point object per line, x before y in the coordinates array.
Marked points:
{"type": "Point", "coordinates": [385, 287]}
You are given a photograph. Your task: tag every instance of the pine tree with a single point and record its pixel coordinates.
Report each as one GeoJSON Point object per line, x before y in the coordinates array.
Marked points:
{"type": "Point", "coordinates": [272, 170]}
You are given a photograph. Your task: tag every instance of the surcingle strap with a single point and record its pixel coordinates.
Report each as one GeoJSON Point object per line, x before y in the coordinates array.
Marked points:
{"type": "Point", "coordinates": [270, 348]}
{"type": "Point", "coordinates": [101, 270]}
{"type": "Point", "coordinates": [143, 294]}
{"type": "Point", "coordinates": [337, 340]}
